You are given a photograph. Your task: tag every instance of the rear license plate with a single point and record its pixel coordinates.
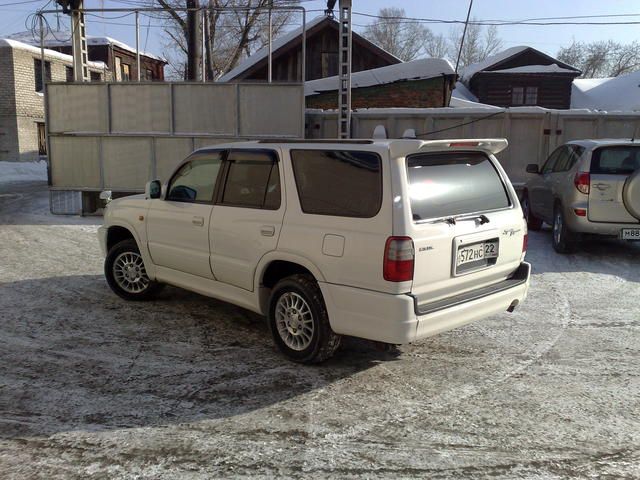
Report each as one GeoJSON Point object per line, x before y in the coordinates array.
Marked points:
{"type": "Point", "coordinates": [630, 234]}
{"type": "Point", "coordinates": [476, 255]}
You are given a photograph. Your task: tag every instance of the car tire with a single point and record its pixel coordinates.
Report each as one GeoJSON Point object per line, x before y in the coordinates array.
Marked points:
{"type": "Point", "coordinates": [562, 237]}
{"type": "Point", "coordinates": [533, 223]}
{"type": "Point", "coordinates": [299, 322]}
{"type": "Point", "coordinates": [126, 274]}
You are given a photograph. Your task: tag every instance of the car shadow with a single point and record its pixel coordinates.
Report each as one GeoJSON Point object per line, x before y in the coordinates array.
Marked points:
{"type": "Point", "coordinates": [592, 255]}
{"type": "Point", "coordinates": [76, 357]}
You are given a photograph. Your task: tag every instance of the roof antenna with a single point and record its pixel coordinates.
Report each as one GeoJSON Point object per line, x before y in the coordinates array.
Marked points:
{"type": "Point", "coordinates": [464, 34]}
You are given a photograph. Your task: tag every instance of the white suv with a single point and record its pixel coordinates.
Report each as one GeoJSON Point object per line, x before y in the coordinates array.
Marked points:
{"type": "Point", "coordinates": [391, 241]}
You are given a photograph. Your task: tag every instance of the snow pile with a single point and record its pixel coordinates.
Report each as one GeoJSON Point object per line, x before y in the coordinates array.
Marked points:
{"type": "Point", "coordinates": [23, 171]}
{"type": "Point", "coordinates": [611, 94]}
{"type": "Point", "coordinates": [415, 70]}
{"type": "Point", "coordinates": [553, 68]}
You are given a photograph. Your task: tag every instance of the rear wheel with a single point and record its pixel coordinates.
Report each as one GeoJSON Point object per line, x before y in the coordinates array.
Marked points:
{"type": "Point", "coordinates": [126, 273]}
{"type": "Point", "coordinates": [533, 222]}
{"type": "Point", "coordinates": [563, 237]}
{"type": "Point", "coordinates": [299, 321]}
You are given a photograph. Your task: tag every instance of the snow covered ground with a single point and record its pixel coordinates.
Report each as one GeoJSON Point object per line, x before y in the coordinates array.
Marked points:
{"type": "Point", "coordinates": [188, 387]}
{"type": "Point", "coordinates": [22, 171]}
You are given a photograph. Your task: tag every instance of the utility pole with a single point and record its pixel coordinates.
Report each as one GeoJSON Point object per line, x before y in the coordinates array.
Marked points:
{"type": "Point", "coordinates": [344, 74]}
{"type": "Point", "coordinates": [194, 42]}
{"type": "Point", "coordinates": [78, 38]}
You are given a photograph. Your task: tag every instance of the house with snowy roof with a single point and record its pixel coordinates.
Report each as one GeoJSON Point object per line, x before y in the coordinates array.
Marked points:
{"type": "Point", "coordinates": [520, 76]}
{"type": "Point", "coordinates": [22, 129]}
{"type": "Point", "coordinates": [321, 55]}
{"type": "Point", "coordinates": [119, 57]}
{"type": "Point", "coordinates": [422, 83]}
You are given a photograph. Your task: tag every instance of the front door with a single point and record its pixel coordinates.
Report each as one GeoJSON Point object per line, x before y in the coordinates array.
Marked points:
{"type": "Point", "coordinates": [178, 225]}
{"type": "Point", "coordinates": [247, 217]}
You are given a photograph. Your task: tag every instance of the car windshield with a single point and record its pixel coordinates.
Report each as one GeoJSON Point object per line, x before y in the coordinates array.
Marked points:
{"type": "Point", "coordinates": [456, 183]}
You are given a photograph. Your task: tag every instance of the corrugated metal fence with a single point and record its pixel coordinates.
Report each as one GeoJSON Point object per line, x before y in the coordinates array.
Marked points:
{"type": "Point", "coordinates": [532, 133]}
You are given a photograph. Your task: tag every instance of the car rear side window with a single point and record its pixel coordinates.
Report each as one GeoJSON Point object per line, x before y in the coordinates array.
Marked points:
{"type": "Point", "coordinates": [196, 179]}
{"type": "Point", "coordinates": [338, 182]}
{"type": "Point", "coordinates": [620, 160]}
{"type": "Point", "coordinates": [253, 180]}
{"type": "Point", "coordinates": [456, 183]}
{"type": "Point", "coordinates": [568, 158]}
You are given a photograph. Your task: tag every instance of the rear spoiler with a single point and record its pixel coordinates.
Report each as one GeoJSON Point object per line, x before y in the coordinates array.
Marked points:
{"type": "Point", "coordinates": [488, 145]}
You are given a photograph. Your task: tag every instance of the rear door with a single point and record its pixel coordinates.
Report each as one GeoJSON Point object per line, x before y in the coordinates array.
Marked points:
{"type": "Point", "coordinates": [467, 227]}
{"type": "Point", "coordinates": [610, 169]}
{"type": "Point", "coordinates": [539, 188]}
{"type": "Point", "coordinates": [247, 217]}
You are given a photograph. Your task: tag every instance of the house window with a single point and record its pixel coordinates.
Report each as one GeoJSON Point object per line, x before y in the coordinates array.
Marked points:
{"type": "Point", "coordinates": [69, 73]}
{"type": "Point", "coordinates": [37, 66]}
{"type": "Point", "coordinates": [96, 77]}
{"type": "Point", "coordinates": [126, 72]}
{"type": "Point", "coordinates": [148, 74]}
{"type": "Point", "coordinates": [42, 139]}
{"type": "Point", "coordinates": [524, 95]}
{"type": "Point", "coordinates": [517, 96]}
{"type": "Point", "coordinates": [118, 69]}
{"type": "Point", "coordinates": [531, 96]}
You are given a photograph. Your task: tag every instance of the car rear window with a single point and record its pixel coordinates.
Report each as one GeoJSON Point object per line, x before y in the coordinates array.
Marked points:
{"type": "Point", "coordinates": [456, 183]}
{"type": "Point", "coordinates": [621, 160]}
{"type": "Point", "coordinates": [338, 182]}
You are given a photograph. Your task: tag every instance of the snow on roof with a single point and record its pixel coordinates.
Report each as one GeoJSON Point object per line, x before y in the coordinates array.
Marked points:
{"type": "Point", "coordinates": [470, 70]}
{"type": "Point", "coordinates": [62, 38]}
{"type": "Point", "coordinates": [7, 42]}
{"type": "Point", "coordinates": [463, 93]}
{"type": "Point", "coordinates": [611, 94]}
{"type": "Point", "coordinates": [553, 68]}
{"type": "Point", "coordinates": [414, 70]}
{"type": "Point", "coordinates": [264, 52]}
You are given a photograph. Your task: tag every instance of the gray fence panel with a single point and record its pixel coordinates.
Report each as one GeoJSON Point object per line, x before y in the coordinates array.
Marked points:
{"type": "Point", "coordinates": [77, 162]}
{"type": "Point", "coordinates": [169, 153]}
{"type": "Point", "coordinates": [77, 108]}
{"type": "Point", "coordinates": [141, 108]}
{"type": "Point", "coordinates": [270, 110]}
{"type": "Point", "coordinates": [205, 108]}
{"type": "Point", "coordinates": [127, 162]}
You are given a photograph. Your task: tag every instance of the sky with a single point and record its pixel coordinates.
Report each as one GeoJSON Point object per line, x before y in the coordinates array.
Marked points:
{"type": "Point", "coordinates": [15, 13]}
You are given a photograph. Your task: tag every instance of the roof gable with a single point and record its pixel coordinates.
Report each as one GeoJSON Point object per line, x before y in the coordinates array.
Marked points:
{"type": "Point", "coordinates": [293, 39]}
{"type": "Point", "coordinates": [512, 58]}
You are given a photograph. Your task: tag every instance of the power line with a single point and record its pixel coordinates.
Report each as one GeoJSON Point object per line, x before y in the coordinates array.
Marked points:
{"type": "Point", "coordinates": [486, 117]}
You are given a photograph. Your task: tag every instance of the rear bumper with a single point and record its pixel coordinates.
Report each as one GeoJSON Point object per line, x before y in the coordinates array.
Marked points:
{"type": "Point", "coordinates": [584, 225]}
{"type": "Point", "coordinates": [399, 319]}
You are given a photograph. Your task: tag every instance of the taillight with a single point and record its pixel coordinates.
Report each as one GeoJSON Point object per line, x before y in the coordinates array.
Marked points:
{"type": "Point", "coordinates": [398, 259]}
{"type": "Point", "coordinates": [582, 181]}
{"type": "Point", "coordinates": [525, 242]}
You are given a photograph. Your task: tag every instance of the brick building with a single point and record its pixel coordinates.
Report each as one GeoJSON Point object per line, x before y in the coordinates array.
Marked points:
{"type": "Point", "coordinates": [22, 133]}
{"type": "Point", "coordinates": [423, 83]}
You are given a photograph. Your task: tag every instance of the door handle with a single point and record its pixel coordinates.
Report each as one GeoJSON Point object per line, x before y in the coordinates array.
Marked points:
{"type": "Point", "coordinates": [267, 230]}
{"type": "Point", "coordinates": [198, 221]}
{"type": "Point", "coordinates": [601, 186]}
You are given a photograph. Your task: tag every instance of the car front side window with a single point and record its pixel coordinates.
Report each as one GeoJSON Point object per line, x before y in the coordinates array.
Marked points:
{"type": "Point", "coordinates": [195, 181]}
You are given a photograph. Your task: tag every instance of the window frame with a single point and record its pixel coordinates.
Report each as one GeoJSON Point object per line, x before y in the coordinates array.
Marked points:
{"type": "Point", "coordinates": [295, 179]}
{"type": "Point", "coordinates": [216, 185]}
{"type": "Point", "coordinates": [531, 89]}
{"type": "Point", "coordinates": [513, 88]}
{"type": "Point", "coordinates": [37, 70]}
{"type": "Point", "coordinates": [218, 194]}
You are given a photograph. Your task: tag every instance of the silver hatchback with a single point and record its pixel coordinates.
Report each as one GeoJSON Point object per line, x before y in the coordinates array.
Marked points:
{"type": "Point", "coordinates": [586, 187]}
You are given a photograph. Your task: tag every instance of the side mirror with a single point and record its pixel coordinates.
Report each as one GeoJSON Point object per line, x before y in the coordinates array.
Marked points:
{"type": "Point", "coordinates": [533, 168]}
{"type": "Point", "coordinates": [106, 196]}
{"type": "Point", "coordinates": [153, 189]}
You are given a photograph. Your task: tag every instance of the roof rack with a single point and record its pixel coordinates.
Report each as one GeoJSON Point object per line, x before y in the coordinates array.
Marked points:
{"type": "Point", "coordinates": [319, 140]}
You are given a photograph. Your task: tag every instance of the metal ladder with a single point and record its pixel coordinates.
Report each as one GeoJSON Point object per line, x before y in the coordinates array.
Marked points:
{"type": "Point", "coordinates": [344, 76]}
{"type": "Point", "coordinates": [79, 39]}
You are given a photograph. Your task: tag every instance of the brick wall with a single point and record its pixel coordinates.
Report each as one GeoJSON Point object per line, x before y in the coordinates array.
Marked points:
{"type": "Point", "coordinates": [21, 107]}
{"type": "Point", "coordinates": [408, 94]}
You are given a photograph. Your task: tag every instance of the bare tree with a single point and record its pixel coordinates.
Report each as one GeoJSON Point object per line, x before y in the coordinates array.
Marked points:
{"type": "Point", "coordinates": [229, 36]}
{"type": "Point", "coordinates": [478, 43]}
{"type": "Point", "coordinates": [602, 58]}
{"type": "Point", "coordinates": [436, 46]}
{"type": "Point", "coordinates": [402, 38]}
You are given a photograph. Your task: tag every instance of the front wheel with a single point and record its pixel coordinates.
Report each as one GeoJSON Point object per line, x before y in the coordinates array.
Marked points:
{"type": "Point", "coordinates": [563, 237]}
{"type": "Point", "coordinates": [299, 321]}
{"type": "Point", "coordinates": [126, 273]}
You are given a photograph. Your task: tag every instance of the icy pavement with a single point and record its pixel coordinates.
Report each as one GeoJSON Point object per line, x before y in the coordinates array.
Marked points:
{"type": "Point", "coordinates": [187, 387]}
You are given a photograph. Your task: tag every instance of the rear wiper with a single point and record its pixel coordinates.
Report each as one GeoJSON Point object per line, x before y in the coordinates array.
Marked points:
{"type": "Point", "coordinates": [482, 219]}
